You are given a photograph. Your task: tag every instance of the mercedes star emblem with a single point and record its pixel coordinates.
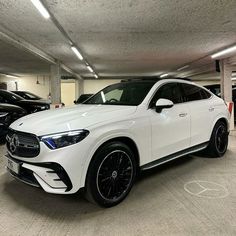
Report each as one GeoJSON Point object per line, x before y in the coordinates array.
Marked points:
{"type": "Point", "coordinates": [14, 142]}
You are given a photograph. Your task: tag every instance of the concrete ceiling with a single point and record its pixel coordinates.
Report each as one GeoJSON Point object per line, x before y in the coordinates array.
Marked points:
{"type": "Point", "coordinates": [121, 37]}
{"type": "Point", "coordinates": [17, 61]}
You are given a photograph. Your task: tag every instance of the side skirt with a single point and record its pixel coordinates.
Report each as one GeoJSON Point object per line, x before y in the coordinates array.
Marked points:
{"type": "Point", "coordinates": [173, 156]}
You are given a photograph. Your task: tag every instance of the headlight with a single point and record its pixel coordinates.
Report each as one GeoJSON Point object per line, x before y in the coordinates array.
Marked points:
{"type": "Point", "coordinates": [59, 140]}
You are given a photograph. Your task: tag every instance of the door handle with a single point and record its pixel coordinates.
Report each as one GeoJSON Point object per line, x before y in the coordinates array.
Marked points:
{"type": "Point", "coordinates": [211, 109]}
{"type": "Point", "coordinates": [183, 114]}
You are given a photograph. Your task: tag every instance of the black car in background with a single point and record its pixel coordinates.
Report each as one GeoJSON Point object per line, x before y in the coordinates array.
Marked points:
{"type": "Point", "coordinates": [8, 114]}
{"type": "Point", "coordinates": [83, 98]}
{"type": "Point", "coordinates": [215, 88]}
{"type": "Point", "coordinates": [27, 95]}
{"type": "Point", "coordinates": [29, 105]}
{"type": "Point", "coordinates": [30, 96]}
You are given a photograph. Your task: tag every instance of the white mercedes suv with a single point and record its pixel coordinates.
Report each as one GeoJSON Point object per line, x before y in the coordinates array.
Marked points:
{"type": "Point", "coordinates": [102, 144]}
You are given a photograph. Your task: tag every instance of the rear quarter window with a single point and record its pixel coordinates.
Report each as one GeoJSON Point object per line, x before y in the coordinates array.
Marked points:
{"type": "Point", "coordinates": [194, 93]}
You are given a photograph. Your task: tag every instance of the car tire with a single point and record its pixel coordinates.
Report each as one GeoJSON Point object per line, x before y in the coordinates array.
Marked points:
{"type": "Point", "coordinates": [219, 140]}
{"type": "Point", "coordinates": [111, 174]}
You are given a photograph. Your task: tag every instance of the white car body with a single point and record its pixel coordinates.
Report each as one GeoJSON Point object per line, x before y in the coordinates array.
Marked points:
{"type": "Point", "coordinates": [186, 126]}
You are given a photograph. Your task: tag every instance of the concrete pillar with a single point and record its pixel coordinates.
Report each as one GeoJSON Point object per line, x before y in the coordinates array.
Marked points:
{"type": "Point", "coordinates": [81, 87]}
{"type": "Point", "coordinates": [56, 83]}
{"type": "Point", "coordinates": [226, 85]}
{"type": "Point", "coordinates": [76, 89]}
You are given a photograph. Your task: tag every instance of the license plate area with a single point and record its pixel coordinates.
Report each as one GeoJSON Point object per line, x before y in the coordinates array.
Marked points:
{"type": "Point", "coordinates": [13, 166]}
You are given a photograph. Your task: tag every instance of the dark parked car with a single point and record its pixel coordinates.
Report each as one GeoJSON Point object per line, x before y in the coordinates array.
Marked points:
{"type": "Point", "coordinates": [8, 114]}
{"type": "Point", "coordinates": [215, 88]}
{"type": "Point", "coordinates": [30, 96]}
{"type": "Point", "coordinates": [29, 105]}
{"type": "Point", "coordinates": [83, 98]}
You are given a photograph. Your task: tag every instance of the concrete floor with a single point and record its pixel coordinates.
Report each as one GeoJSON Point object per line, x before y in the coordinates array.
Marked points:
{"type": "Point", "coordinates": [190, 196]}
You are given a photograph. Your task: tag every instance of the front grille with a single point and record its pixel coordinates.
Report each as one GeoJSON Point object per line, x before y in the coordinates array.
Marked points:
{"type": "Point", "coordinates": [22, 144]}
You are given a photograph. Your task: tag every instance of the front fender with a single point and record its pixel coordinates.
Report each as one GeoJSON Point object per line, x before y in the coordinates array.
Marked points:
{"type": "Point", "coordinates": [133, 130]}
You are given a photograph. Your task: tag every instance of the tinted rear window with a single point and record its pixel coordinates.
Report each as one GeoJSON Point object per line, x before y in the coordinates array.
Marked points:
{"type": "Point", "coordinates": [194, 93]}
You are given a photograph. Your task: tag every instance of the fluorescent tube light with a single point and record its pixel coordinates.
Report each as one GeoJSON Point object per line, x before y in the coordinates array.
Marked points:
{"type": "Point", "coordinates": [12, 76]}
{"type": "Point", "coordinates": [223, 52]}
{"type": "Point", "coordinates": [163, 75]}
{"type": "Point", "coordinates": [41, 8]}
{"type": "Point", "coordinates": [96, 76]}
{"type": "Point", "coordinates": [90, 69]}
{"type": "Point", "coordinates": [183, 67]}
{"type": "Point", "coordinates": [77, 53]}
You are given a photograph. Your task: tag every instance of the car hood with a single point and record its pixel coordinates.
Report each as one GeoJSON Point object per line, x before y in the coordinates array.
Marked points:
{"type": "Point", "coordinates": [72, 118]}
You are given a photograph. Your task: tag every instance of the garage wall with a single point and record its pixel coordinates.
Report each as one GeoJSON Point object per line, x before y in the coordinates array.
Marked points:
{"type": "Point", "coordinates": [68, 93]}
{"type": "Point", "coordinates": [93, 86]}
{"type": "Point", "coordinates": [207, 82]}
{"type": "Point", "coordinates": [29, 83]}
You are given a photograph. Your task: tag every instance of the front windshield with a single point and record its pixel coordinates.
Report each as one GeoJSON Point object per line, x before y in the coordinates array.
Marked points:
{"type": "Point", "coordinates": [125, 93]}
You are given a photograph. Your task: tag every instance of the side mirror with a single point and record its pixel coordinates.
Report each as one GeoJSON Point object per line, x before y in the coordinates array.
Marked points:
{"type": "Point", "coordinates": [163, 104]}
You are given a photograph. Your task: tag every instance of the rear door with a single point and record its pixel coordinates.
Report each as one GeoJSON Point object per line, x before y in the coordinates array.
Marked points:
{"type": "Point", "coordinates": [202, 111]}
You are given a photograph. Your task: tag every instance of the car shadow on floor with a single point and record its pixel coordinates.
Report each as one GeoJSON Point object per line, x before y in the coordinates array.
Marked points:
{"type": "Point", "coordinates": [54, 206]}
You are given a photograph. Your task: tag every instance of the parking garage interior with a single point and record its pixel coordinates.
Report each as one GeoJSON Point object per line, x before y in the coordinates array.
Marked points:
{"type": "Point", "coordinates": [83, 46]}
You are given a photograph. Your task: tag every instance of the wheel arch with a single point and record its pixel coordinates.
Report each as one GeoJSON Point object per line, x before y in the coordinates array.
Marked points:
{"type": "Point", "coordinates": [123, 139]}
{"type": "Point", "coordinates": [129, 142]}
{"type": "Point", "coordinates": [222, 119]}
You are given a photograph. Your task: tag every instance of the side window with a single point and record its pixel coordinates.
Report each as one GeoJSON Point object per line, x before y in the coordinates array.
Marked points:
{"type": "Point", "coordinates": [205, 94]}
{"type": "Point", "coordinates": [194, 93]}
{"type": "Point", "coordinates": [169, 91]}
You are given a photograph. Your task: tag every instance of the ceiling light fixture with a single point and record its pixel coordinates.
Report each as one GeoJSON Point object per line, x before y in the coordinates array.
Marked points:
{"type": "Point", "coordinates": [183, 67]}
{"type": "Point", "coordinates": [89, 68]}
{"type": "Point", "coordinates": [40, 7]}
{"type": "Point", "coordinates": [223, 52]}
{"type": "Point", "coordinates": [77, 53]}
{"type": "Point", "coordinates": [164, 75]}
{"type": "Point", "coordinates": [12, 76]}
{"type": "Point", "coordinates": [96, 76]}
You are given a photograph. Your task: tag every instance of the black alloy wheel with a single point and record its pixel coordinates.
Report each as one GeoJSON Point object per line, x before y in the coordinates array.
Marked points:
{"type": "Point", "coordinates": [111, 174]}
{"type": "Point", "coordinates": [114, 175]}
{"type": "Point", "coordinates": [219, 140]}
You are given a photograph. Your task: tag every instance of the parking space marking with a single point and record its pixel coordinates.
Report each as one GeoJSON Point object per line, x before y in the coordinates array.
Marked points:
{"type": "Point", "coordinates": [206, 189]}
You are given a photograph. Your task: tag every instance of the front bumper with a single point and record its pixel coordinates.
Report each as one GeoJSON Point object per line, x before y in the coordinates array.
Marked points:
{"type": "Point", "coordinates": [50, 176]}
{"type": "Point", "coordinates": [71, 161]}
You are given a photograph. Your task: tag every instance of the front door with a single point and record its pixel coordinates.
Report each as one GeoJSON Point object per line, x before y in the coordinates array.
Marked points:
{"type": "Point", "coordinates": [170, 127]}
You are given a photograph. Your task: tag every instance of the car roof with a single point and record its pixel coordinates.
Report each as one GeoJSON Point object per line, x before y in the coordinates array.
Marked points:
{"type": "Point", "coordinates": [152, 79]}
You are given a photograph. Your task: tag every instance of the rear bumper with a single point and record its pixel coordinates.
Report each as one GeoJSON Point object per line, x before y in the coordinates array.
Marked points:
{"type": "Point", "coordinates": [49, 176]}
